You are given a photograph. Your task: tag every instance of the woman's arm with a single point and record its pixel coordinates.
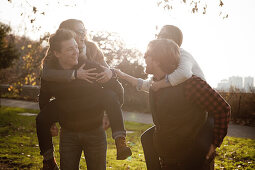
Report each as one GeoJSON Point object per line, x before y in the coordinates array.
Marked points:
{"type": "Point", "coordinates": [140, 84]}
{"type": "Point", "coordinates": [132, 80]}
{"type": "Point", "coordinates": [55, 75]}
{"type": "Point", "coordinates": [181, 74]}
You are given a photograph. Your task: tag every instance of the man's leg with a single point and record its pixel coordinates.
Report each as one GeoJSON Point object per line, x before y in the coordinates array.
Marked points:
{"type": "Point", "coordinates": [94, 145]}
{"type": "Point", "coordinates": [150, 154]}
{"type": "Point", "coordinates": [70, 150]}
{"type": "Point", "coordinates": [47, 116]}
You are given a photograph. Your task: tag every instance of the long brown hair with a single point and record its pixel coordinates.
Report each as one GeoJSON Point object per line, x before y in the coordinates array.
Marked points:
{"type": "Point", "coordinates": [70, 25]}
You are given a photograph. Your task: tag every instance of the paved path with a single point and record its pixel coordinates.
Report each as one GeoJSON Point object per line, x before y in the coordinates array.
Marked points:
{"type": "Point", "coordinates": [234, 130]}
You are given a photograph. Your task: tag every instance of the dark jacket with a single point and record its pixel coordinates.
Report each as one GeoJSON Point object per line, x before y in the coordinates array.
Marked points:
{"type": "Point", "coordinates": [79, 102]}
{"type": "Point", "coordinates": [177, 120]}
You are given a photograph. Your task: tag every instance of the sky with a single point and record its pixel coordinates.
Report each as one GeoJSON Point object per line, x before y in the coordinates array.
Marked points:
{"type": "Point", "coordinates": [222, 47]}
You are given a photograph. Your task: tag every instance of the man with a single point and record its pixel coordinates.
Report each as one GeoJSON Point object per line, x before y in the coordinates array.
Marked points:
{"type": "Point", "coordinates": [90, 52]}
{"type": "Point", "coordinates": [179, 112]}
{"type": "Point", "coordinates": [178, 139]}
{"type": "Point", "coordinates": [80, 104]}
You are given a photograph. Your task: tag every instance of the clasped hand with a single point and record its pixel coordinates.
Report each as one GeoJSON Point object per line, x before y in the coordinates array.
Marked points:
{"type": "Point", "coordinates": [89, 75]}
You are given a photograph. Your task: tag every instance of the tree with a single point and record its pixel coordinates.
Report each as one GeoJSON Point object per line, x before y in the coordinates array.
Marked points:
{"type": "Point", "coordinates": [129, 61]}
{"type": "Point", "coordinates": [195, 6]}
{"type": "Point", "coordinates": [8, 52]}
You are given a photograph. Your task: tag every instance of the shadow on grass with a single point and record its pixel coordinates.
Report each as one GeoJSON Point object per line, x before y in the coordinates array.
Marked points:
{"type": "Point", "coordinates": [19, 146]}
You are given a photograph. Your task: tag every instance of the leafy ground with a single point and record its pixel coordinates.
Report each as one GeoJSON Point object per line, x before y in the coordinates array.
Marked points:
{"type": "Point", "coordinates": [19, 147]}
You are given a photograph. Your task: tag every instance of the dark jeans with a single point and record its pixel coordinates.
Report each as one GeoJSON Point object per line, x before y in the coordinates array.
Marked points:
{"type": "Point", "coordinates": [92, 143]}
{"type": "Point", "coordinates": [150, 153]}
{"type": "Point", "coordinates": [50, 114]}
{"type": "Point", "coordinates": [46, 117]}
{"type": "Point", "coordinates": [196, 160]}
{"type": "Point", "coordinates": [112, 106]}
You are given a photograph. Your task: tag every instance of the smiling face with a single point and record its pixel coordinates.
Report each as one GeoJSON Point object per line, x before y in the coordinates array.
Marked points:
{"type": "Point", "coordinates": [150, 65]}
{"type": "Point", "coordinates": [68, 53]}
{"type": "Point", "coordinates": [162, 55]}
{"type": "Point", "coordinates": [81, 32]}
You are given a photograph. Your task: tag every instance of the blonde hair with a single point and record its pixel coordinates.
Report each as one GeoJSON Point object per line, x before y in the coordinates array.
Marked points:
{"type": "Point", "coordinates": [166, 53]}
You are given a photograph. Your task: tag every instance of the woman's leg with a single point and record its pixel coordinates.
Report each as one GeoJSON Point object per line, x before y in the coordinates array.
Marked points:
{"type": "Point", "coordinates": [150, 154]}
{"type": "Point", "coordinates": [94, 145]}
{"type": "Point", "coordinates": [70, 150]}
{"type": "Point", "coordinates": [113, 109]}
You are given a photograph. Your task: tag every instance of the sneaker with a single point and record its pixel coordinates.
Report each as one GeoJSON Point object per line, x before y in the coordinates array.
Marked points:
{"type": "Point", "coordinates": [50, 164]}
{"type": "Point", "coordinates": [123, 151]}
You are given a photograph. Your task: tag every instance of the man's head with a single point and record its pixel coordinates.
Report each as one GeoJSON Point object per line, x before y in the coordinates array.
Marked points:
{"type": "Point", "coordinates": [171, 32]}
{"type": "Point", "coordinates": [76, 26]}
{"type": "Point", "coordinates": [163, 55]}
{"type": "Point", "coordinates": [64, 48]}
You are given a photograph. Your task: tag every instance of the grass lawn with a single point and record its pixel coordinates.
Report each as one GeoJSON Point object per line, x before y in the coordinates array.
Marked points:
{"type": "Point", "coordinates": [19, 147]}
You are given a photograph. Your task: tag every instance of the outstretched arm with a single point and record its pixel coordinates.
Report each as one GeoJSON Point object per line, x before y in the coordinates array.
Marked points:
{"type": "Point", "coordinates": [132, 80]}
{"type": "Point", "coordinates": [140, 84]}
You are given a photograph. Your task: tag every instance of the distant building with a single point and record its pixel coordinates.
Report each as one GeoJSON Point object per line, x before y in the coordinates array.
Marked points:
{"type": "Point", "coordinates": [248, 84]}
{"type": "Point", "coordinates": [223, 85]}
{"type": "Point", "coordinates": [236, 82]}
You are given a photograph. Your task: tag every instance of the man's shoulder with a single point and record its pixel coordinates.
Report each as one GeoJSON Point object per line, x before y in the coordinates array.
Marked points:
{"type": "Point", "coordinates": [196, 82]}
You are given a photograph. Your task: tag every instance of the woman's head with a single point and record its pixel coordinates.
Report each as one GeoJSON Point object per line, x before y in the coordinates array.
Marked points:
{"type": "Point", "coordinates": [76, 26]}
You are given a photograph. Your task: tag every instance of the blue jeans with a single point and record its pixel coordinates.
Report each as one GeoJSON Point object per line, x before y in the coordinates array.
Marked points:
{"type": "Point", "coordinates": [92, 143]}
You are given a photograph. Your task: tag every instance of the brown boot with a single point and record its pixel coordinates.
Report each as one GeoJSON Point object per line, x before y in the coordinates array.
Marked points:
{"type": "Point", "coordinates": [123, 151]}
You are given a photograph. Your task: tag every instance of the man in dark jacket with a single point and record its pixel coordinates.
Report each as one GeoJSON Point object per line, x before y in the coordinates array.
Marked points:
{"type": "Point", "coordinates": [180, 115]}
{"type": "Point", "coordinates": [80, 104]}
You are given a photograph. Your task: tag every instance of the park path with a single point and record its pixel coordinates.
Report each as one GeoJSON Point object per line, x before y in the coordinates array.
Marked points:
{"type": "Point", "coordinates": [234, 129]}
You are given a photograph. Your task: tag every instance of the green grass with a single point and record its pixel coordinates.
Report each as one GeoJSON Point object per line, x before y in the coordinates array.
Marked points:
{"type": "Point", "coordinates": [19, 147]}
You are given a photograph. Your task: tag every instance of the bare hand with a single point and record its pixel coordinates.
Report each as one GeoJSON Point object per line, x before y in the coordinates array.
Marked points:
{"type": "Point", "coordinates": [156, 85]}
{"type": "Point", "coordinates": [106, 122]}
{"type": "Point", "coordinates": [104, 76]}
{"type": "Point", "coordinates": [211, 152]}
{"type": "Point", "coordinates": [54, 130]}
{"type": "Point", "coordinates": [86, 74]}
